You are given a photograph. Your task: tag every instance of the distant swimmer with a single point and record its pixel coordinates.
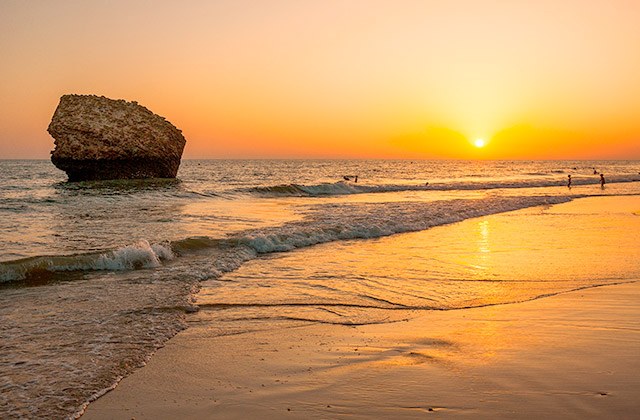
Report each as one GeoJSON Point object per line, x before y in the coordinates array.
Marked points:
{"type": "Point", "coordinates": [346, 178]}
{"type": "Point", "coordinates": [569, 183]}
{"type": "Point", "coordinates": [595, 172]}
{"type": "Point", "coordinates": [602, 182]}
{"type": "Point", "coordinates": [426, 183]}
{"type": "Point", "coordinates": [356, 179]}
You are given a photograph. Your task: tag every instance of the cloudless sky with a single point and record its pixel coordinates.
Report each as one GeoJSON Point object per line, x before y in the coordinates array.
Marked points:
{"type": "Point", "coordinates": [336, 78]}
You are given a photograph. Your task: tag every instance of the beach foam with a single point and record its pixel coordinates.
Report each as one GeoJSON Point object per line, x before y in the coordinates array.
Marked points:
{"type": "Point", "coordinates": [326, 223]}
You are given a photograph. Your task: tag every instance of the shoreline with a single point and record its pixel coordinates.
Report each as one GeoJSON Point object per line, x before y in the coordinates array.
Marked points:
{"type": "Point", "coordinates": [500, 360]}
{"type": "Point", "coordinates": [569, 355]}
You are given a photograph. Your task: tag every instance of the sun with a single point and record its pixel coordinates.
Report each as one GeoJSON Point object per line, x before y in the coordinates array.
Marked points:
{"type": "Point", "coordinates": [479, 143]}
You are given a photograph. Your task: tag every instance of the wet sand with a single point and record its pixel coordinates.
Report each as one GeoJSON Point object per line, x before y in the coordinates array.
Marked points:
{"type": "Point", "coordinates": [573, 355]}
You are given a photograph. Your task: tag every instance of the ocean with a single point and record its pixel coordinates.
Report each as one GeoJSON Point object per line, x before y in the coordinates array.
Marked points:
{"type": "Point", "coordinates": [96, 276]}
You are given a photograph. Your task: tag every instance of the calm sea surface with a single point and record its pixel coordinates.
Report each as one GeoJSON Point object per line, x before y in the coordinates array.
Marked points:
{"type": "Point", "coordinates": [96, 276]}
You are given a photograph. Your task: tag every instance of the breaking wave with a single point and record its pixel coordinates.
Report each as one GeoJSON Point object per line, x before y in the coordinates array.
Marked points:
{"type": "Point", "coordinates": [345, 188]}
{"type": "Point", "coordinates": [130, 257]}
{"type": "Point", "coordinates": [331, 222]}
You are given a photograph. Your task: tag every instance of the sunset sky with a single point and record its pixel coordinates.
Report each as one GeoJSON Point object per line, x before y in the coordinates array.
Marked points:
{"type": "Point", "coordinates": [336, 79]}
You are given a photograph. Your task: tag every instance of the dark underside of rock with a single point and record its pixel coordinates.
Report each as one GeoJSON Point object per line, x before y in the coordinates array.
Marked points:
{"type": "Point", "coordinates": [103, 169]}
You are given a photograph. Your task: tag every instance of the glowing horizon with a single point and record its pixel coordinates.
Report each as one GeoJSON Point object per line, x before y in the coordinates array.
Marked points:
{"type": "Point", "coordinates": [358, 79]}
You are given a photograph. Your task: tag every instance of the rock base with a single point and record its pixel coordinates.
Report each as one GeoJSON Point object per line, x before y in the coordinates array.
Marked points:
{"type": "Point", "coordinates": [103, 169]}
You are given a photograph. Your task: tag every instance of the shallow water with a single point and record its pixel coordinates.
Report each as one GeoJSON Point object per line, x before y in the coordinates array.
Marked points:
{"type": "Point", "coordinates": [476, 262]}
{"type": "Point", "coordinates": [98, 275]}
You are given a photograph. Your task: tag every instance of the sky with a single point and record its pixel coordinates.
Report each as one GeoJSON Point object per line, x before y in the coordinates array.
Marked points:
{"type": "Point", "coordinates": [336, 78]}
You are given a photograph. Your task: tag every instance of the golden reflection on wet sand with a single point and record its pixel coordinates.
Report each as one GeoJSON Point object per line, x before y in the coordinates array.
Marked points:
{"type": "Point", "coordinates": [503, 258]}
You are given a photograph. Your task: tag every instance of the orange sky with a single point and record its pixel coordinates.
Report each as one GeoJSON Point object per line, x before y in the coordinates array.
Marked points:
{"type": "Point", "coordinates": [336, 78]}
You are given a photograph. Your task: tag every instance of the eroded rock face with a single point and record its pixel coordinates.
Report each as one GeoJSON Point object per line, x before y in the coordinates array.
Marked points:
{"type": "Point", "coordinates": [101, 138]}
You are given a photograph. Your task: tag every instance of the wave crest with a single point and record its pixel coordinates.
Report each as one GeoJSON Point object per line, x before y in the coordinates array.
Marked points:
{"type": "Point", "coordinates": [299, 190]}
{"type": "Point", "coordinates": [130, 257]}
{"type": "Point", "coordinates": [346, 188]}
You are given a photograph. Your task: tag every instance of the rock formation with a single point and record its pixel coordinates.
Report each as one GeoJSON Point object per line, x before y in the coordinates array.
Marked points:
{"type": "Point", "coordinates": [101, 138]}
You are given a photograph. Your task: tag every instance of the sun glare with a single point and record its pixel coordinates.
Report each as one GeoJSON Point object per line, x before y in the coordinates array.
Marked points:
{"type": "Point", "coordinates": [479, 143]}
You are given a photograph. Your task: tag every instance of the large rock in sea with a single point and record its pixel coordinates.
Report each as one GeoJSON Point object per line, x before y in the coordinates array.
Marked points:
{"type": "Point", "coordinates": [101, 138]}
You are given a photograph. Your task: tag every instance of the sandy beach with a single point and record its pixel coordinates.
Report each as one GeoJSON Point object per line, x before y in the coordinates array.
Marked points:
{"type": "Point", "coordinates": [572, 355]}
{"type": "Point", "coordinates": [569, 356]}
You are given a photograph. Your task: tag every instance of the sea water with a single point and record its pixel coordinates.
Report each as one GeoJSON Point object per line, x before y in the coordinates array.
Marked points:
{"type": "Point", "coordinates": [95, 276]}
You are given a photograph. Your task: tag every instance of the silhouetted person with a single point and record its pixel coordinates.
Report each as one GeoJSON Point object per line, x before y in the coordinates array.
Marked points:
{"type": "Point", "coordinates": [356, 180]}
{"type": "Point", "coordinates": [602, 181]}
{"type": "Point", "coordinates": [595, 172]}
{"type": "Point", "coordinates": [569, 183]}
{"type": "Point", "coordinates": [346, 178]}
